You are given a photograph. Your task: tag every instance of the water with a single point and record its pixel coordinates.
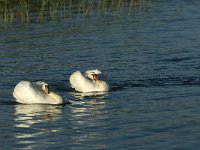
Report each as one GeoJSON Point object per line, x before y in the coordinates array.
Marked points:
{"type": "Point", "coordinates": [150, 59]}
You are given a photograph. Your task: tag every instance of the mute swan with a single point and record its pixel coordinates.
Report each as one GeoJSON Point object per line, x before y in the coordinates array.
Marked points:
{"type": "Point", "coordinates": [88, 83]}
{"type": "Point", "coordinates": [35, 93]}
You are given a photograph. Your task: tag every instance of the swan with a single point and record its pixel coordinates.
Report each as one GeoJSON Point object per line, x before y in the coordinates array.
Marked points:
{"type": "Point", "coordinates": [35, 93]}
{"type": "Point", "coordinates": [90, 82]}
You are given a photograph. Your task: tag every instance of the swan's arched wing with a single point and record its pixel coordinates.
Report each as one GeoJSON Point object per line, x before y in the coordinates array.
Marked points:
{"type": "Point", "coordinates": [96, 71]}
{"type": "Point", "coordinates": [32, 92]}
{"type": "Point", "coordinates": [24, 92]}
{"type": "Point", "coordinates": [80, 82]}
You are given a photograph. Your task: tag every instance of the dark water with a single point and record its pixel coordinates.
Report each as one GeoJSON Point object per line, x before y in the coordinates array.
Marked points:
{"type": "Point", "coordinates": [151, 60]}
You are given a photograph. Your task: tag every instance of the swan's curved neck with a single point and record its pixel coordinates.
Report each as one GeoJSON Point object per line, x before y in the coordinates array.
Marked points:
{"type": "Point", "coordinates": [54, 96]}
{"type": "Point", "coordinates": [46, 89]}
{"type": "Point", "coordinates": [51, 94]}
{"type": "Point", "coordinates": [96, 81]}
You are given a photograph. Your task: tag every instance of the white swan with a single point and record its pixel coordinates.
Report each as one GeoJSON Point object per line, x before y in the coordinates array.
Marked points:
{"type": "Point", "coordinates": [88, 83]}
{"type": "Point", "coordinates": [35, 93]}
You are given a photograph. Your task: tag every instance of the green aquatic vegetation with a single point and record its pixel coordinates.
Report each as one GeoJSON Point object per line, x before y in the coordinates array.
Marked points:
{"type": "Point", "coordinates": [9, 10]}
{"type": "Point", "coordinates": [44, 10]}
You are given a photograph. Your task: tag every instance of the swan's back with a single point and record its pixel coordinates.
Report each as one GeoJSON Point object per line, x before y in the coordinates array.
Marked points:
{"type": "Point", "coordinates": [31, 92]}
{"type": "Point", "coordinates": [23, 91]}
{"type": "Point", "coordinates": [83, 84]}
{"type": "Point", "coordinates": [80, 83]}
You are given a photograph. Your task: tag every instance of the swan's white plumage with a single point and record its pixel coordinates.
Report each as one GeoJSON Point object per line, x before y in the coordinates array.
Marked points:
{"type": "Point", "coordinates": [96, 71]}
{"type": "Point", "coordinates": [85, 84]}
{"type": "Point", "coordinates": [33, 92]}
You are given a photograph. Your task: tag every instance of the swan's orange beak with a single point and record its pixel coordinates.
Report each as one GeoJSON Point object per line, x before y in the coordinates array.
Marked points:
{"type": "Point", "coordinates": [46, 89]}
{"type": "Point", "coordinates": [95, 77]}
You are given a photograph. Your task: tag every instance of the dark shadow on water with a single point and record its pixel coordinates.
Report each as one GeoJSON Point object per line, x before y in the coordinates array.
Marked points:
{"type": "Point", "coordinates": [8, 103]}
{"type": "Point", "coordinates": [176, 59]}
{"type": "Point", "coordinates": [16, 103]}
{"type": "Point", "coordinates": [168, 81]}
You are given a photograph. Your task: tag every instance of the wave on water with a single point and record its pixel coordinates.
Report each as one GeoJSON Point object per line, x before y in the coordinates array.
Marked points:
{"type": "Point", "coordinates": [167, 81]}
{"type": "Point", "coordinates": [149, 82]}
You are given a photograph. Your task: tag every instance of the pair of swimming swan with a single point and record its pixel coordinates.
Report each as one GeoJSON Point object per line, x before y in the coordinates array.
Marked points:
{"type": "Point", "coordinates": [38, 92]}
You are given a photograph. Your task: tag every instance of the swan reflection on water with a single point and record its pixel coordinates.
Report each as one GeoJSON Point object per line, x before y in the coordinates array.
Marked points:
{"type": "Point", "coordinates": [89, 95]}
{"type": "Point", "coordinates": [87, 108]}
{"type": "Point", "coordinates": [33, 123]}
{"type": "Point", "coordinates": [87, 114]}
{"type": "Point", "coordinates": [85, 102]}
{"type": "Point", "coordinates": [27, 115]}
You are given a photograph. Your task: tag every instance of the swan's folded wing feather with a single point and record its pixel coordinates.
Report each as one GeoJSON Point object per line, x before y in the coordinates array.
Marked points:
{"type": "Point", "coordinates": [23, 92]}
{"type": "Point", "coordinates": [31, 92]}
{"type": "Point", "coordinates": [96, 71]}
{"type": "Point", "coordinates": [80, 82]}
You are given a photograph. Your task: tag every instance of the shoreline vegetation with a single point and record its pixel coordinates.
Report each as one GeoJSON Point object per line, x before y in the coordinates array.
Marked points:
{"type": "Point", "coordinates": [25, 11]}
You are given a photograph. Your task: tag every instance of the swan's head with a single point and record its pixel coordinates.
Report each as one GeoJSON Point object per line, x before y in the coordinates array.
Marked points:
{"type": "Point", "coordinates": [93, 74]}
{"type": "Point", "coordinates": [45, 87]}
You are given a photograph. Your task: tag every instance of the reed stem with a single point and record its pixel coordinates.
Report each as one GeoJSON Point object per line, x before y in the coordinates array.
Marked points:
{"type": "Point", "coordinates": [15, 10]}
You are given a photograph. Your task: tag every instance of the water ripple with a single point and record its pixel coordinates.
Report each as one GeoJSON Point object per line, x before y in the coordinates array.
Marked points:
{"type": "Point", "coordinates": [170, 81]}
